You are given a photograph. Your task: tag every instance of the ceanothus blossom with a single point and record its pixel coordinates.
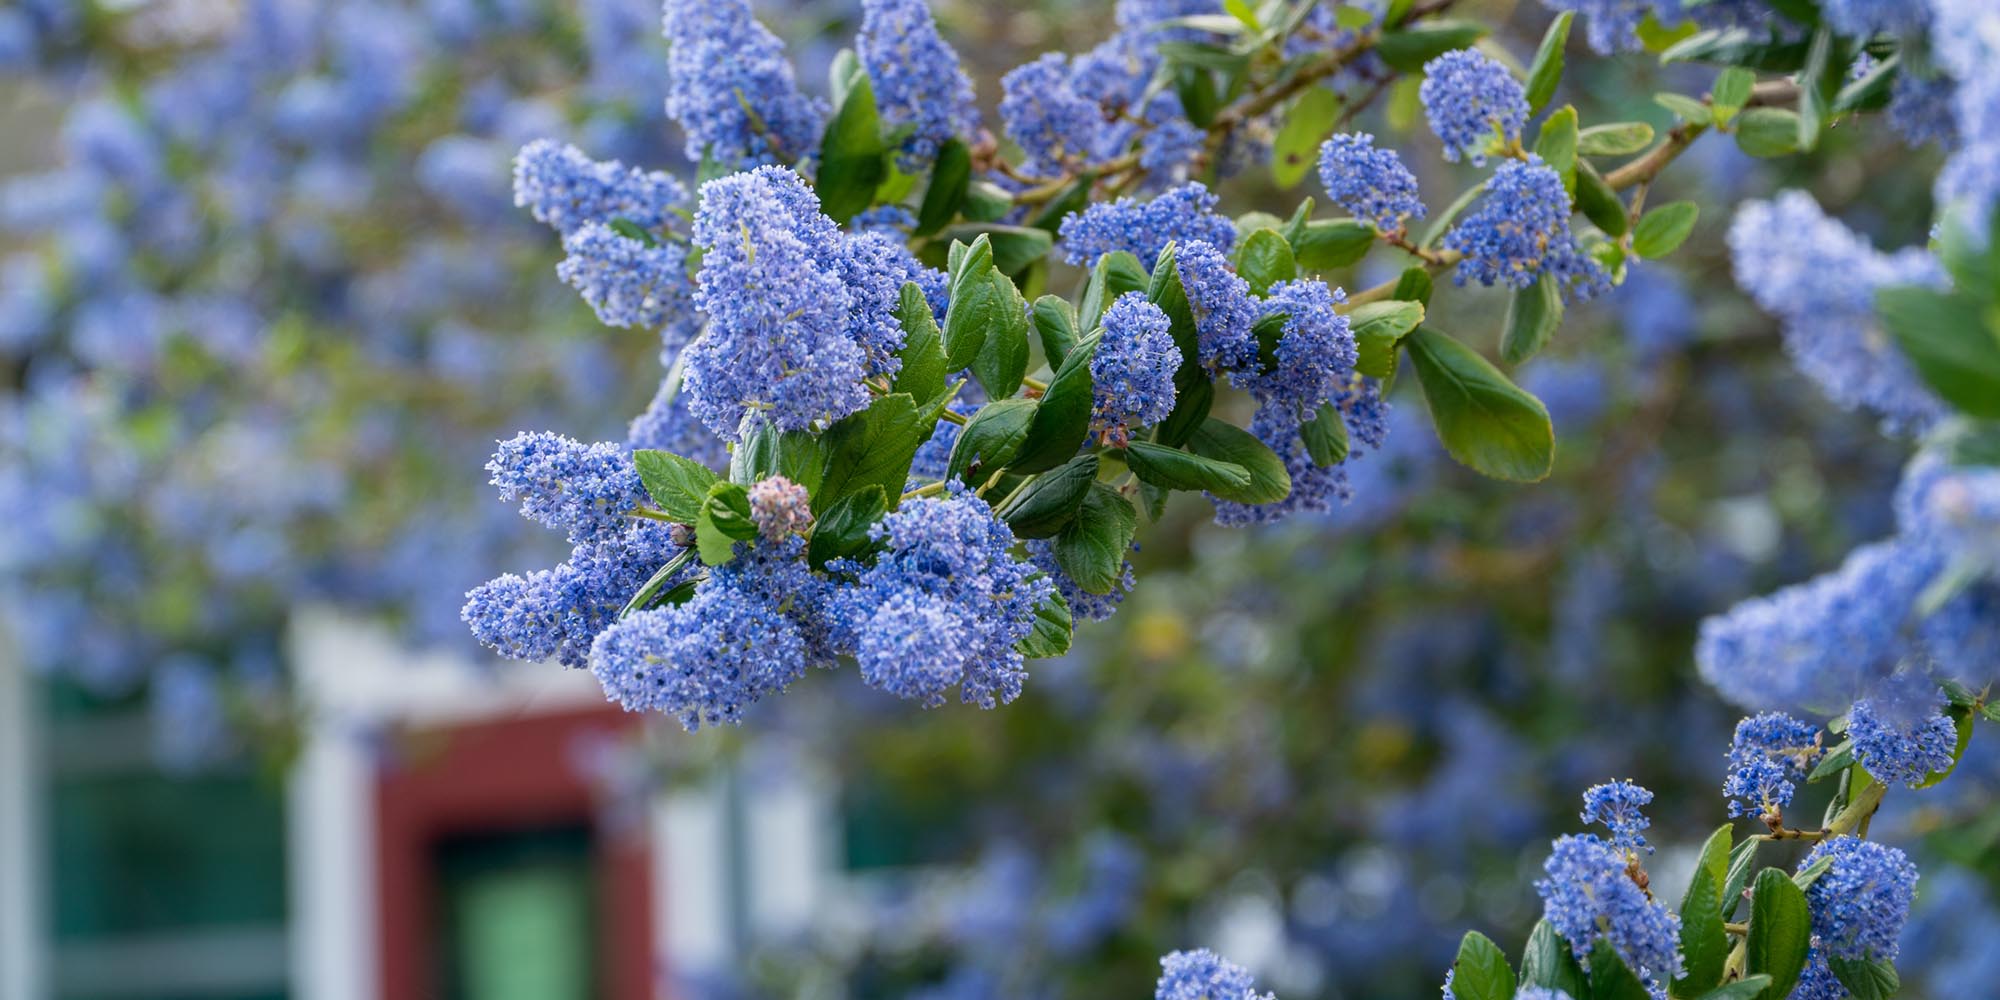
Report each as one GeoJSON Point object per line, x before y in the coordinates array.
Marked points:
{"type": "Point", "coordinates": [1588, 896]}
{"type": "Point", "coordinates": [1132, 370]}
{"type": "Point", "coordinates": [731, 88]}
{"type": "Point", "coordinates": [1770, 755]}
{"type": "Point", "coordinates": [1144, 228]}
{"type": "Point", "coordinates": [565, 189]}
{"type": "Point", "coordinates": [1471, 101]}
{"type": "Point", "coordinates": [917, 78]}
{"type": "Point", "coordinates": [1370, 182]}
{"type": "Point", "coordinates": [1224, 312]}
{"type": "Point", "coordinates": [1520, 233]}
{"type": "Point", "coordinates": [584, 490]}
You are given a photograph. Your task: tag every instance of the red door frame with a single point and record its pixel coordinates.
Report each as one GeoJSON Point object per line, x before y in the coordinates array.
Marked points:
{"type": "Point", "coordinates": [506, 774]}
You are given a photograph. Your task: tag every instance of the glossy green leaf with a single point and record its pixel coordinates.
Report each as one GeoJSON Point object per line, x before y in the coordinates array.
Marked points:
{"type": "Point", "coordinates": [1408, 48]}
{"type": "Point", "coordinates": [1780, 932]}
{"type": "Point", "coordinates": [1597, 202]}
{"type": "Point", "coordinates": [1092, 548]}
{"type": "Point", "coordinates": [724, 520]}
{"type": "Point", "coordinates": [1325, 244]}
{"type": "Point", "coordinates": [1264, 259]}
{"type": "Point", "coordinates": [1053, 628]}
{"type": "Point", "coordinates": [1747, 988]}
{"type": "Point", "coordinates": [1174, 469]}
{"type": "Point", "coordinates": [873, 447]}
{"type": "Point", "coordinates": [1742, 860]}
{"type": "Point", "coordinates": [842, 532]}
{"type": "Point", "coordinates": [1950, 344]}
{"type": "Point", "coordinates": [1379, 327]}
{"type": "Point", "coordinates": [1731, 92]}
{"type": "Point", "coordinates": [990, 440]}
{"type": "Point", "coordinates": [1296, 147]}
{"type": "Point", "coordinates": [1866, 979]}
{"type": "Point", "coordinates": [1557, 144]}
{"type": "Point", "coordinates": [1014, 247]}
{"type": "Point", "coordinates": [1662, 230]}
{"type": "Point", "coordinates": [1547, 69]}
{"type": "Point", "coordinates": [1685, 108]}
{"type": "Point", "coordinates": [1615, 139]}
{"type": "Point", "coordinates": [1533, 314]}
{"type": "Point", "coordinates": [923, 372]}
{"type": "Point", "coordinates": [1480, 971]}
{"type": "Point", "coordinates": [853, 160]}
{"type": "Point", "coordinates": [1115, 274]}
{"type": "Point", "coordinates": [677, 485]}
{"type": "Point", "coordinates": [951, 180]}
{"type": "Point", "coordinates": [1051, 499]}
{"type": "Point", "coordinates": [1611, 978]}
{"type": "Point", "coordinates": [1325, 436]}
{"type": "Point", "coordinates": [1704, 944]}
{"type": "Point", "coordinates": [1548, 962]}
{"type": "Point", "coordinates": [1768, 132]}
{"type": "Point", "coordinates": [1062, 420]}
{"type": "Point", "coordinates": [1225, 442]}
{"type": "Point", "coordinates": [1485, 421]}
{"type": "Point", "coordinates": [1055, 323]}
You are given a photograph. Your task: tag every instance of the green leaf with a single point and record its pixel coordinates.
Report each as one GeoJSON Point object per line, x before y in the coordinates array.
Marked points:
{"type": "Point", "coordinates": [1780, 932]}
{"type": "Point", "coordinates": [852, 157]}
{"type": "Point", "coordinates": [1014, 247]}
{"type": "Point", "coordinates": [1704, 944]}
{"type": "Point", "coordinates": [842, 532]}
{"type": "Point", "coordinates": [1948, 341]}
{"type": "Point", "coordinates": [1548, 962]}
{"type": "Point", "coordinates": [990, 440]}
{"type": "Point", "coordinates": [1616, 139]}
{"type": "Point", "coordinates": [1739, 47]}
{"type": "Point", "coordinates": [1225, 442]}
{"type": "Point", "coordinates": [1378, 328]}
{"type": "Point", "coordinates": [1814, 93]}
{"type": "Point", "coordinates": [1747, 988]}
{"type": "Point", "coordinates": [1062, 421]}
{"type": "Point", "coordinates": [923, 372]}
{"type": "Point", "coordinates": [1325, 436]}
{"type": "Point", "coordinates": [1685, 108]}
{"type": "Point", "coordinates": [1768, 132]}
{"type": "Point", "coordinates": [1731, 92]}
{"type": "Point", "coordinates": [1265, 259]}
{"type": "Point", "coordinates": [1480, 971]}
{"type": "Point", "coordinates": [1092, 548]}
{"type": "Point", "coordinates": [1115, 274]}
{"type": "Point", "coordinates": [1296, 147]}
{"type": "Point", "coordinates": [1873, 90]}
{"type": "Point", "coordinates": [1836, 760]}
{"type": "Point", "coordinates": [633, 231]}
{"type": "Point", "coordinates": [1052, 630]}
{"type": "Point", "coordinates": [677, 485]}
{"type": "Point", "coordinates": [1611, 978]}
{"type": "Point", "coordinates": [1714, 857]}
{"type": "Point", "coordinates": [1174, 469]}
{"type": "Point", "coordinates": [1486, 422]}
{"type": "Point", "coordinates": [986, 201]}
{"type": "Point", "coordinates": [1330, 243]}
{"type": "Point", "coordinates": [1865, 979]}
{"type": "Point", "coordinates": [1662, 230]}
{"type": "Point", "coordinates": [724, 521]}
{"type": "Point", "coordinates": [1002, 361]}
{"type": "Point", "coordinates": [648, 591]}
{"type": "Point", "coordinates": [1241, 11]}
{"type": "Point", "coordinates": [1742, 858]}
{"type": "Point", "coordinates": [1547, 69]}
{"type": "Point", "coordinates": [1413, 285]}
{"type": "Point", "coordinates": [1408, 48]}
{"type": "Point", "coordinates": [975, 303]}
{"type": "Point", "coordinates": [951, 179]}
{"type": "Point", "coordinates": [1055, 322]}
{"type": "Point", "coordinates": [1557, 144]}
{"type": "Point", "coordinates": [873, 447]}
{"type": "Point", "coordinates": [1164, 290]}
{"type": "Point", "coordinates": [1597, 202]}
{"type": "Point", "coordinates": [1051, 499]}
{"type": "Point", "coordinates": [1533, 314]}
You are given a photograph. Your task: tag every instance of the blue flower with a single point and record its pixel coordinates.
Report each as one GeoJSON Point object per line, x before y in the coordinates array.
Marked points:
{"type": "Point", "coordinates": [777, 302]}
{"type": "Point", "coordinates": [1170, 145]}
{"type": "Point", "coordinates": [567, 190]}
{"type": "Point", "coordinates": [1371, 183]}
{"type": "Point", "coordinates": [1821, 285]}
{"type": "Point", "coordinates": [666, 425]}
{"type": "Point", "coordinates": [1589, 897]}
{"type": "Point", "coordinates": [942, 605]}
{"type": "Point", "coordinates": [875, 268]}
{"type": "Point", "coordinates": [1521, 233]}
{"type": "Point", "coordinates": [736, 640]}
{"type": "Point", "coordinates": [1132, 370]}
{"type": "Point", "coordinates": [1769, 756]}
{"type": "Point", "coordinates": [917, 78]}
{"type": "Point", "coordinates": [1316, 350]}
{"type": "Point", "coordinates": [1860, 903]}
{"type": "Point", "coordinates": [731, 89]}
{"type": "Point", "coordinates": [559, 612]}
{"type": "Point", "coordinates": [1612, 25]}
{"type": "Point", "coordinates": [1203, 975]}
{"type": "Point", "coordinates": [626, 282]}
{"type": "Point", "coordinates": [1901, 733]}
{"type": "Point", "coordinates": [1145, 228]}
{"type": "Point", "coordinates": [1044, 116]}
{"type": "Point", "coordinates": [1616, 805]}
{"type": "Point", "coordinates": [584, 490]}
{"type": "Point", "coordinates": [1471, 101]}
{"type": "Point", "coordinates": [1224, 313]}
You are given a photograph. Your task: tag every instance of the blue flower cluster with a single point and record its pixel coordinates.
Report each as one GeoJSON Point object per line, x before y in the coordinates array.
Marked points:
{"type": "Point", "coordinates": [1611, 25]}
{"type": "Point", "coordinates": [943, 604]}
{"type": "Point", "coordinates": [731, 88]}
{"type": "Point", "coordinates": [1083, 604]}
{"type": "Point", "coordinates": [917, 78]}
{"type": "Point", "coordinates": [1471, 102]}
{"type": "Point", "coordinates": [1144, 228]}
{"type": "Point", "coordinates": [1520, 234]}
{"type": "Point", "coordinates": [1316, 350]}
{"type": "Point", "coordinates": [799, 313]}
{"type": "Point", "coordinates": [1617, 805]}
{"type": "Point", "coordinates": [1224, 313]}
{"type": "Point", "coordinates": [1822, 288]}
{"type": "Point", "coordinates": [567, 190]}
{"type": "Point", "coordinates": [1589, 896]}
{"type": "Point", "coordinates": [1965, 38]}
{"type": "Point", "coordinates": [742, 636]}
{"type": "Point", "coordinates": [1044, 115]}
{"type": "Point", "coordinates": [1132, 370]}
{"type": "Point", "coordinates": [584, 490]}
{"type": "Point", "coordinates": [1770, 755]}
{"type": "Point", "coordinates": [627, 283]}
{"type": "Point", "coordinates": [559, 612]}
{"type": "Point", "coordinates": [1203, 975]}
{"type": "Point", "coordinates": [1861, 901]}
{"type": "Point", "coordinates": [1903, 736]}
{"type": "Point", "coordinates": [1371, 183]}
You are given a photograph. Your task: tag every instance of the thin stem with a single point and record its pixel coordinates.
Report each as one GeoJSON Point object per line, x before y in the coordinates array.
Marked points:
{"type": "Point", "coordinates": [927, 490]}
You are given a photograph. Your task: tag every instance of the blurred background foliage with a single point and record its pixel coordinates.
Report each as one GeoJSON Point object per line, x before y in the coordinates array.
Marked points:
{"type": "Point", "coordinates": [1326, 747]}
